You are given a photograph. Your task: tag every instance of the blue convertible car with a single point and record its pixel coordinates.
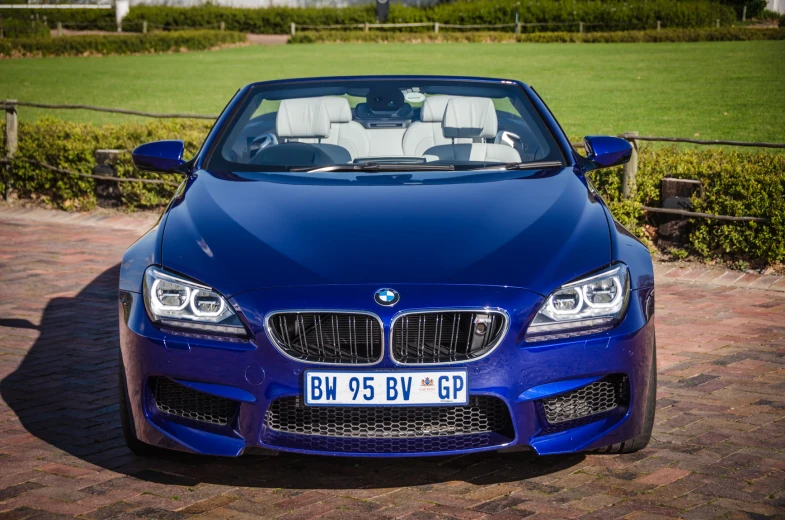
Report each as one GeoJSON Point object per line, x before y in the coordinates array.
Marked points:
{"type": "Point", "coordinates": [386, 266]}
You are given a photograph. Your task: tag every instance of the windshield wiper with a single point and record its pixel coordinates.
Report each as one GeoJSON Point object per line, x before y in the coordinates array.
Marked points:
{"type": "Point", "coordinates": [377, 167]}
{"type": "Point", "coordinates": [536, 165]}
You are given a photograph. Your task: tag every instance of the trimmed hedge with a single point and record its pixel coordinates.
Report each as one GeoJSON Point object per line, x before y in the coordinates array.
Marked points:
{"type": "Point", "coordinates": [669, 35]}
{"type": "Point", "coordinates": [72, 146]}
{"type": "Point", "coordinates": [23, 29]}
{"type": "Point", "coordinates": [747, 183]}
{"type": "Point", "coordinates": [599, 16]}
{"type": "Point", "coordinates": [735, 183]}
{"type": "Point", "coordinates": [74, 19]}
{"type": "Point", "coordinates": [119, 43]}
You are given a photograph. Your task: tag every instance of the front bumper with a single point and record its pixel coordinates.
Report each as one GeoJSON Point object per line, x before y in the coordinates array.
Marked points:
{"type": "Point", "coordinates": [254, 373]}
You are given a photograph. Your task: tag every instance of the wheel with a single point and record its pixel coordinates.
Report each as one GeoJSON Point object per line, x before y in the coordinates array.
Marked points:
{"type": "Point", "coordinates": [129, 431]}
{"type": "Point", "coordinates": [641, 440]}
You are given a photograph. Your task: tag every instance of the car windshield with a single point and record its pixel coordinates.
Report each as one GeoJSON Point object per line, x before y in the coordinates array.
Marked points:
{"type": "Point", "coordinates": [384, 124]}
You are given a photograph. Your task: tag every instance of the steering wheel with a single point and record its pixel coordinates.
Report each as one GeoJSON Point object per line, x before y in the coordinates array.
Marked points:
{"type": "Point", "coordinates": [261, 142]}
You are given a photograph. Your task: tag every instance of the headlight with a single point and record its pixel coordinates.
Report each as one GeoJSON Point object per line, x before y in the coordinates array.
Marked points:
{"type": "Point", "coordinates": [593, 304]}
{"type": "Point", "coordinates": [176, 302]}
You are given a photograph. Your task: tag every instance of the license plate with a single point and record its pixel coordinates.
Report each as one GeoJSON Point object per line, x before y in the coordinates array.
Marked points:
{"type": "Point", "coordinates": [391, 388]}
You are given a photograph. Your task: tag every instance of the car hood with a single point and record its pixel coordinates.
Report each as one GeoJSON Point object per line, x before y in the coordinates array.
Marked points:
{"type": "Point", "coordinates": [535, 232]}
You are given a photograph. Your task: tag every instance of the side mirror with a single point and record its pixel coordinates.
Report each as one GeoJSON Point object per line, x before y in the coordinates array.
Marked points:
{"type": "Point", "coordinates": [604, 151]}
{"type": "Point", "coordinates": [159, 156]}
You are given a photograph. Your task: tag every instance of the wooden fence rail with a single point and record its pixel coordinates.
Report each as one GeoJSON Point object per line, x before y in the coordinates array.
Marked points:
{"type": "Point", "coordinates": [628, 183]}
{"type": "Point", "coordinates": [10, 104]}
{"type": "Point", "coordinates": [293, 27]}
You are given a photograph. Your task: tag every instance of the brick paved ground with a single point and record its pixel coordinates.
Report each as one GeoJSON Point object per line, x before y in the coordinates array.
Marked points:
{"type": "Point", "coordinates": [719, 448]}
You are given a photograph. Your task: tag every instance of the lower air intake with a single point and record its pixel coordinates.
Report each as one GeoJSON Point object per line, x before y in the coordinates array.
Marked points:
{"type": "Point", "coordinates": [594, 399]}
{"type": "Point", "coordinates": [483, 414]}
{"type": "Point", "coordinates": [175, 399]}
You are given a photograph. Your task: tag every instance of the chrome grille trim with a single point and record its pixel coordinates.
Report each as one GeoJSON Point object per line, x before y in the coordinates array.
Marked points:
{"type": "Point", "coordinates": [440, 333]}
{"type": "Point", "coordinates": [323, 352]}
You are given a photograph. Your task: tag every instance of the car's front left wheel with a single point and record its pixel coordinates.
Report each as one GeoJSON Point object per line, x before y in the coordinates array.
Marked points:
{"type": "Point", "coordinates": [641, 440]}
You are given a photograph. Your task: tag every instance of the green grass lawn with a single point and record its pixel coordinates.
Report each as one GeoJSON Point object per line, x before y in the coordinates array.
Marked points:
{"type": "Point", "coordinates": [719, 90]}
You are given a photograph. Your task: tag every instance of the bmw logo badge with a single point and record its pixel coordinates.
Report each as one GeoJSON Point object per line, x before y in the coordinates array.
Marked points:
{"type": "Point", "coordinates": [386, 297]}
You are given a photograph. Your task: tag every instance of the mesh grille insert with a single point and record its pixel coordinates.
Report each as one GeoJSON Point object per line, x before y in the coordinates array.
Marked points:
{"type": "Point", "coordinates": [439, 337]}
{"type": "Point", "coordinates": [483, 414]}
{"type": "Point", "coordinates": [593, 399]}
{"type": "Point", "coordinates": [327, 337]}
{"type": "Point", "coordinates": [179, 400]}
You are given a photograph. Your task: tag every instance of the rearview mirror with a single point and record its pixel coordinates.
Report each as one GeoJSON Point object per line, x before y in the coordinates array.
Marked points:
{"type": "Point", "coordinates": [159, 156]}
{"type": "Point", "coordinates": [604, 151]}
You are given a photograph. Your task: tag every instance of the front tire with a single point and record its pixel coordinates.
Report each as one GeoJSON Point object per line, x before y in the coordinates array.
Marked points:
{"type": "Point", "coordinates": [641, 440]}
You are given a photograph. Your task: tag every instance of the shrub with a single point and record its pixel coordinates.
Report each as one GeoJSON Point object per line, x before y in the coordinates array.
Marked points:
{"type": "Point", "coordinates": [72, 146]}
{"type": "Point", "coordinates": [665, 35]}
{"type": "Point", "coordinates": [23, 29]}
{"type": "Point", "coordinates": [399, 37]}
{"type": "Point", "coordinates": [754, 7]}
{"type": "Point", "coordinates": [119, 43]}
{"type": "Point", "coordinates": [70, 18]}
{"type": "Point", "coordinates": [599, 16]}
{"type": "Point", "coordinates": [735, 183]}
{"type": "Point", "coordinates": [769, 16]}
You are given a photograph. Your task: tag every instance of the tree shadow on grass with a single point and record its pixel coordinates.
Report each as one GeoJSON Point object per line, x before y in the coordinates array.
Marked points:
{"type": "Point", "coordinates": [65, 393]}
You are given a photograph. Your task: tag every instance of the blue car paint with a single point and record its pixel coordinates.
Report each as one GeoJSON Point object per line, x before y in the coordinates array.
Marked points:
{"type": "Point", "coordinates": [545, 229]}
{"type": "Point", "coordinates": [605, 151]}
{"type": "Point", "coordinates": [163, 156]}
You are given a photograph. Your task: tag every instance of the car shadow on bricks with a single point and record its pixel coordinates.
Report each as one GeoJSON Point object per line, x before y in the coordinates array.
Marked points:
{"type": "Point", "coordinates": [65, 393]}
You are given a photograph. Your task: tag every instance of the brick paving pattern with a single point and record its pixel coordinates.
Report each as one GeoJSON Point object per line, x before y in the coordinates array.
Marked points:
{"type": "Point", "coordinates": [718, 448]}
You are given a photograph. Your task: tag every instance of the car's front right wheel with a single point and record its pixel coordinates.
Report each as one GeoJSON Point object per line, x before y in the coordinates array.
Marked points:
{"type": "Point", "coordinates": [129, 431]}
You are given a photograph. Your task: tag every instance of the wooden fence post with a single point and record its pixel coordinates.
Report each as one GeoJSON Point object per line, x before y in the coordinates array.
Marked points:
{"type": "Point", "coordinates": [436, 27]}
{"type": "Point", "coordinates": [59, 28]}
{"type": "Point", "coordinates": [366, 27]}
{"type": "Point", "coordinates": [223, 26]}
{"type": "Point", "coordinates": [659, 24]}
{"type": "Point", "coordinates": [104, 165]}
{"type": "Point", "coordinates": [717, 23]}
{"type": "Point", "coordinates": [11, 141]}
{"type": "Point", "coordinates": [291, 27]}
{"type": "Point", "coordinates": [580, 27]}
{"type": "Point", "coordinates": [631, 168]}
{"type": "Point", "coordinates": [144, 26]}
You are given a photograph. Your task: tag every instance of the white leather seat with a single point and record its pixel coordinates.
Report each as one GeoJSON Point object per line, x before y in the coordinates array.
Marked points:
{"type": "Point", "coordinates": [344, 132]}
{"type": "Point", "coordinates": [427, 132]}
{"type": "Point", "coordinates": [474, 119]}
{"type": "Point", "coordinates": [307, 120]}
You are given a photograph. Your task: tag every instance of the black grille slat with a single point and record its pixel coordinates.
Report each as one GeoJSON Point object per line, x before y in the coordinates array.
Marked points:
{"type": "Point", "coordinates": [175, 399]}
{"type": "Point", "coordinates": [328, 337]}
{"type": "Point", "coordinates": [483, 414]}
{"type": "Point", "coordinates": [440, 337]}
{"type": "Point", "coordinates": [594, 399]}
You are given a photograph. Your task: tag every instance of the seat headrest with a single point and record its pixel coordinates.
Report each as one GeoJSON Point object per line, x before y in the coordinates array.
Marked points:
{"type": "Point", "coordinates": [433, 108]}
{"type": "Point", "coordinates": [338, 109]}
{"type": "Point", "coordinates": [470, 117]}
{"type": "Point", "coordinates": [305, 117]}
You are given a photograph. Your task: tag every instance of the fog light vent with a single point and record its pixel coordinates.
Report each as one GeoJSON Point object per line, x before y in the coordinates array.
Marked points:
{"type": "Point", "coordinates": [175, 399]}
{"type": "Point", "coordinates": [596, 398]}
